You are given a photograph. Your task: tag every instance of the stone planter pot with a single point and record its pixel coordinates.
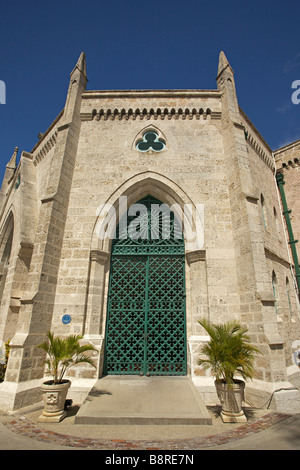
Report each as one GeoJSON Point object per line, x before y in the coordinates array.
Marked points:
{"type": "Point", "coordinates": [54, 396]}
{"type": "Point", "coordinates": [231, 398]}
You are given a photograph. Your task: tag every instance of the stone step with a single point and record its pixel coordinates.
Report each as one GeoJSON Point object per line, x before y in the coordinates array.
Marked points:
{"type": "Point", "coordinates": [143, 400]}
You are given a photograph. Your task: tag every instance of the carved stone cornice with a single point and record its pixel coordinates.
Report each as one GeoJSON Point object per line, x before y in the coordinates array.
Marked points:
{"type": "Point", "coordinates": [196, 255]}
{"type": "Point", "coordinates": [100, 256]}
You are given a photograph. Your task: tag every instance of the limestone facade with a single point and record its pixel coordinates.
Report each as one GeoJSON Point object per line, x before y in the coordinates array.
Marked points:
{"type": "Point", "coordinates": [53, 261]}
{"type": "Point", "coordinates": [288, 162]}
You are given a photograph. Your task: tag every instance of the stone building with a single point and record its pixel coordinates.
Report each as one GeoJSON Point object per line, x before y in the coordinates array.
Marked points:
{"type": "Point", "coordinates": [287, 161]}
{"type": "Point", "coordinates": [73, 258]}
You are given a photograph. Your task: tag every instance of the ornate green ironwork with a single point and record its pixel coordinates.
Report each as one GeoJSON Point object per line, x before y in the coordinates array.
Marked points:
{"type": "Point", "coordinates": [146, 306]}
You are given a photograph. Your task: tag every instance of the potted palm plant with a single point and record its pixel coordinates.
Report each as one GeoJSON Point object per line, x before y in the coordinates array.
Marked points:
{"type": "Point", "coordinates": [62, 353]}
{"type": "Point", "coordinates": [229, 353]}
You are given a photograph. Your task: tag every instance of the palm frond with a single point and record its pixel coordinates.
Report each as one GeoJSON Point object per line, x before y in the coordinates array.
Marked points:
{"type": "Point", "coordinates": [63, 353]}
{"type": "Point", "coordinates": [228, 352]}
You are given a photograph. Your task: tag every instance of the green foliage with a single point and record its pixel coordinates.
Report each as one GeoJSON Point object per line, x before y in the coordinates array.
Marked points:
{"type": "Point", "coordinates": [228, 352]}
{"type": "Point", "coordinates": [65, 353]}
{"type": "Point", "coordinates": [3, 366]}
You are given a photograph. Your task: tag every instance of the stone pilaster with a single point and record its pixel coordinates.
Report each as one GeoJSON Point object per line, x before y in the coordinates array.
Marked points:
{"type": "Point", "coordinates": [255, 289]}
{"type": "Point", "coordinates": [26, 361]}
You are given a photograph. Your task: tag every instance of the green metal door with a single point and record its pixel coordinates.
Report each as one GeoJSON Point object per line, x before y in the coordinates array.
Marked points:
{"type": "Point", "coordinates": [145, 332]}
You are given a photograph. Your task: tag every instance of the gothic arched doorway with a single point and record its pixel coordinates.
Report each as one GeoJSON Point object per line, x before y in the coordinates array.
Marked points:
{"type": "Point", "coordinates": [146, 328]}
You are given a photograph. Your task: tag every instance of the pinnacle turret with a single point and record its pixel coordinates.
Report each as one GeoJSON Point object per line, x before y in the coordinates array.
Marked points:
{"type": "Point", "coordinates": [81, 64]}
{"type": "Point", "coordinates": [223, 63]}
{"type": "Point", "coordinates": [12, 164]}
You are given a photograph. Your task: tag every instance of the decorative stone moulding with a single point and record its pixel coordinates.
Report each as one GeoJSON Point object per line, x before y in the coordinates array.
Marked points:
{"type": "Point", "coordinates": [46, 148]}
{"type": "Point", "coordinates": [252, 141]}
{"type": "Point", "coordinates": [158, 113]}
{"type": "Point", "coordinates": [291, 163]}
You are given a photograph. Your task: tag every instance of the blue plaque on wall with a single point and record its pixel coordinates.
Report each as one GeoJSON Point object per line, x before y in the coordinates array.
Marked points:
{"type": "Point", "coordinates": [66, 319]}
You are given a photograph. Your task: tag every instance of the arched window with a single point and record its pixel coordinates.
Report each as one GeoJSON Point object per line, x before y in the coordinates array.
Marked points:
{"type": "Point", "coordinates": [263, 211]}
{"type": "Point", "coordinates": [278, 231]}
{"type": "Point", "coordinates": [287, 286]}
{"type": "Point", "coordinates": [274, 284]}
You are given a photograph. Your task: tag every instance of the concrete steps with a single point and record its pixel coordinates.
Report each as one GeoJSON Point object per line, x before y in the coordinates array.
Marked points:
{"type": "Point", "coordinates": [143, 400]}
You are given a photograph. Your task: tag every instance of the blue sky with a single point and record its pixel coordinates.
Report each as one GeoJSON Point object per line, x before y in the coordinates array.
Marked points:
{"type": "Point", "coordinates": [161, 44]}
